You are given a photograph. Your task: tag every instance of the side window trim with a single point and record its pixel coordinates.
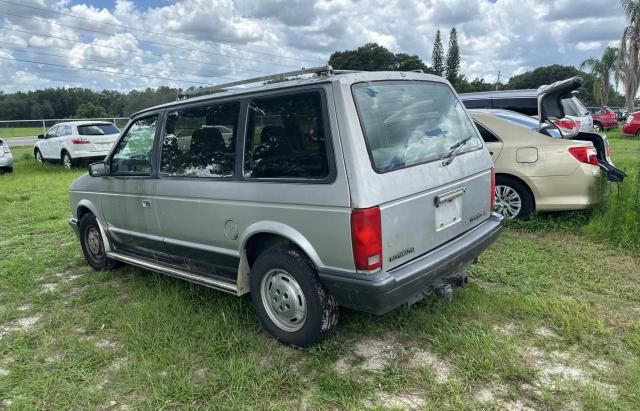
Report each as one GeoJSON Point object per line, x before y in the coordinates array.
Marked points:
{"type": "Point", "coordinates": [154, 157]}
{"type": "Point", "coordinates": [326, 123]}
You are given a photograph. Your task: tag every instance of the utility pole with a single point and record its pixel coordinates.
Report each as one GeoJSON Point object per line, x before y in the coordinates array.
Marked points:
{"type": "Point", "coordinates": [498, 81]}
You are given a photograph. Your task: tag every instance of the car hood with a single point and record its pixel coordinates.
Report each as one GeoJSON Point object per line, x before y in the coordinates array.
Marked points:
{"type": "Point", "coordinates": [550, 97]}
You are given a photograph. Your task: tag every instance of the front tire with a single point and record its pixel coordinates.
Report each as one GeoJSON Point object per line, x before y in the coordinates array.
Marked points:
{"type": "Point", "coordinates": [513, 199]}
{"type": "Point", "coordinates": [92, 245]}
{"type": "Point", "coordinates": [38, 156]}
{"type": "Point", "coordinates": [67, 161]}
{"type": "Point", "coordinates": [292, 304]}
{"type": "Point", "coordinates": [597, 127]}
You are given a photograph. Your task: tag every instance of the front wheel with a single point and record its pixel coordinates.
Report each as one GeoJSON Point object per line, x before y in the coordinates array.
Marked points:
{"type": "Point", "coordinates": [38, 156]}
{"type": "Point", "coordinates": [292, 304]}
{"type": "Point", "coordinates": [512, 198]}
{"type": "Point", "coordinates": [92, 245]}
{"type": "Point", "coordinates": [597, 127]}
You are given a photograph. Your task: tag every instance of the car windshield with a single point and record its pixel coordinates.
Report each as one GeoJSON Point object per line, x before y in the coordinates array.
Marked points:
{"type": "Point", "coordinates": [97, 129]}
{"type": "Point", "coordinates": [573, 107]}
{"type": "Point", "coordinates": [411, 122]}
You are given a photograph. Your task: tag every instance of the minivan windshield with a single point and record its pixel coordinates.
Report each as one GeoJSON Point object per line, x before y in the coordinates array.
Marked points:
{"type": "Point", "coordinates": [411, 122]}
{"type": "Point", "coordinates": [573, 107]}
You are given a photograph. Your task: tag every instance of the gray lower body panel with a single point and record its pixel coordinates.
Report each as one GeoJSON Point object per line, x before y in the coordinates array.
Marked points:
{"type": "Point", "coordinates": [420, 275]}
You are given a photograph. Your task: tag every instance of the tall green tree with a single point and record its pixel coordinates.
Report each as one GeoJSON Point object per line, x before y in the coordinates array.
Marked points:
{"type": "Point", "coordinates": [437, 55]}
{"type": "Point", "coordinates": [374, 57]}
{"type": "Point", "coordinates": [452, 69]}
{"type": "Point", "coordinates": [628, 64]}
{"type": "Point", "coordinates": [602, 69]}
{"type": "Point", "coordinates": [90, 110]}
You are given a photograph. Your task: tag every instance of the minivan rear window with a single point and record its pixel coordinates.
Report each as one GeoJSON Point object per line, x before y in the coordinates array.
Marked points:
{"type": "Point", "coordinates": [573, 107]}
{"type": "Point", "coordinates": [407, 123]}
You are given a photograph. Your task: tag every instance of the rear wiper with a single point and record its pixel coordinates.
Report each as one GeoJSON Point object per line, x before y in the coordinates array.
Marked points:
{"type": "Point", "coordinates": [454, 150]}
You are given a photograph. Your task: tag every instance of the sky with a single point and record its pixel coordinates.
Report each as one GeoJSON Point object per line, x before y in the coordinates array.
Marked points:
{"type": "Point", "coordinates": [124, 44]}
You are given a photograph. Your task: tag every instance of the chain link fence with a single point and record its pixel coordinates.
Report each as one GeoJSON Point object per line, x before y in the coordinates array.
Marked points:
{"type": "Point", "coordinates": [32, 128]}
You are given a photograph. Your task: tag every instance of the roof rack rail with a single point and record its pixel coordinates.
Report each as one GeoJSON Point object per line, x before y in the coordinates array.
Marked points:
{"type": "Point", "coordinates": [319, 71]}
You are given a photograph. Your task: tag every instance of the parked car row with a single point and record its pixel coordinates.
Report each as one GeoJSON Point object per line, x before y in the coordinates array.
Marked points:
{"type": "Point", "coordinates": [366, 190]}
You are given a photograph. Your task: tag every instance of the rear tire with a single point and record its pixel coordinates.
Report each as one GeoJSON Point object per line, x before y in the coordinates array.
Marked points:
{"type": "Point", "coordinates": [67, 161]}
{"type": "Point", "coordinates": [38, 156]}
{"type": "Point", "coordinates": [92, 245]}
{"type": "Point", "coordinates": [513, 198]}
{"type": "Point", "coordinates": [292, 304]}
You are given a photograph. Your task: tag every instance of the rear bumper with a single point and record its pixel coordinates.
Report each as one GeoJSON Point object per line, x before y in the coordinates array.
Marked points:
{"type": "Point", "coordinates": [410, 281]}
{"type": "Point", "coordinates": [584, 188]}
{"type": "Point", "coordinates": [81, 155]}
{"type": "Point", "coordinates": [73, 223]}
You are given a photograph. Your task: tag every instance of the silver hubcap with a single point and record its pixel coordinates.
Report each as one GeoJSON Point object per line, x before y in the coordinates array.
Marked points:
{"type": "Point", "coordinates": [38, 157]}
{"type": "Point", "coordinates": [508, 201]}
{"type": "Point", "coordinates": [93, 242]}
{"type": "Point", "coordinates": [283, 300]}
{"type": "Point", "coordinates": [67, 161]}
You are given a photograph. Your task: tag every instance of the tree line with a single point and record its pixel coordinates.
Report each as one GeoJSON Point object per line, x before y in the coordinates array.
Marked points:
{"type": "Point", "coordinates": [597, 89]}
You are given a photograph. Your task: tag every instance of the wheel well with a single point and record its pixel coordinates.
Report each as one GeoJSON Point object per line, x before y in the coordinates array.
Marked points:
{"type": "Point", "coordinates": [64, 150]}
{"type": "Point", "coordinates": [82, 211]}
{"type": "Point", "coordinates": [263, 241]}
{"type": "Point", "coordinates": [521, 181]}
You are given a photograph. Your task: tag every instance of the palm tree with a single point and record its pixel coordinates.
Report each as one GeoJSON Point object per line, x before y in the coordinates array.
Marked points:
{"type": "Point", "coordinates": [628, 65]}
{"type": "Point", "coordinates": [602, 69]}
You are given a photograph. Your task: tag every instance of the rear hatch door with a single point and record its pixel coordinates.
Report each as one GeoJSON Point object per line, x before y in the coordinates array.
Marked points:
{"type": "Point", "coordinates": [101, 135]}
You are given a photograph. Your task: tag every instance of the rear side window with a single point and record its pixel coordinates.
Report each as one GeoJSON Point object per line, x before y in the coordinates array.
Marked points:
{"type": "Point", "coordinates": [527, 106]}
{"type": "Point", "coordinates": [406, 123]}
{"type": "Point", "coordinates": [97, 130]}
{"type": "Point", "coordinates": [286, 138]}
{"type": "Point", "coordinates": [486, 135]}
{"type": "Point", "coordinates": [200, 141]}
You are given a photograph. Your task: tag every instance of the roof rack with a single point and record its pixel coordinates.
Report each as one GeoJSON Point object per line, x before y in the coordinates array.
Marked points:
{"type": "Point", "coordinates": [318, 71]}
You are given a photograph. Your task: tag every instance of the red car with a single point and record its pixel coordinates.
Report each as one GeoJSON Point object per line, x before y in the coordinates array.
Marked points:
{"type": "Point", "coordinates": [632, 125]}
{"type": "Point", "coordinates": [603, 118]}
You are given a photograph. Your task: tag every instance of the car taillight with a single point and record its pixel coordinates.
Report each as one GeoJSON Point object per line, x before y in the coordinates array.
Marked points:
{"type": "Point", "coordinates": [587, 155]}
{"type": "Point", "coordinates": [80, 140]}
{"type": "Point", "coordinates": [493, 188]}
{"type": "Point", "coordinates": [6, 149]}
{"type": "Point", "coordinates": [567, 126]}
{"type": "Point", "coordinates": [366, 237]}
{"type": "Point", "coordinates": [612, 115]}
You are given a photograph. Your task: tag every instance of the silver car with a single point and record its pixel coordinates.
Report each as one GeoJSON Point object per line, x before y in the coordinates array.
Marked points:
{"type": "Point", "coordinates": [6, 158]}
{"type": "Point", "coordinates": [362, 190]}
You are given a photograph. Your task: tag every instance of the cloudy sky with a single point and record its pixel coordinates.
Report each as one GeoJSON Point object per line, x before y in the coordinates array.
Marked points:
{"type": "Point", "coordinates": [148, 43]}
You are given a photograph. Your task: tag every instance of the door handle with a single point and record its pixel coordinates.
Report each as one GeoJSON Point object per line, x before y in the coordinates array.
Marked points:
{"type": "Point", "coordinates": [491, 152]}
{"type": "Point", "coordinates": [146, 204]}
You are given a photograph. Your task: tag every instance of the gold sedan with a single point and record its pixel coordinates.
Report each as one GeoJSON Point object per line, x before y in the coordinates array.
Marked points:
{"type": "Point", "coordinates": [538, 172]}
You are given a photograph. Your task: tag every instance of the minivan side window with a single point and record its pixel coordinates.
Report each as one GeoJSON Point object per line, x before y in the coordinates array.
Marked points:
{"type": "Point", "coordinates": [200, 141]}
{"type": "Point", "coordinates": [133, 155]}
{"type": "Point", "coordinates": [286, 138]}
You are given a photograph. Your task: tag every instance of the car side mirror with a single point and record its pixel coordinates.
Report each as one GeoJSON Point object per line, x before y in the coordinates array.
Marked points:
{"type": "Point", "coordinates": [40, 135]}
{"type": "Point", "coordinates": [98, 169]}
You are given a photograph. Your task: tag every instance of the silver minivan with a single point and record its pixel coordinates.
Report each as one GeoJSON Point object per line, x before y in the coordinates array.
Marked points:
{"type": "Point", "coordinates": [367, 190]}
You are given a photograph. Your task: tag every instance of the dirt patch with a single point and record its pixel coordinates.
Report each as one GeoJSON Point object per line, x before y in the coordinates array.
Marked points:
{"type": "Point", "coordinates": [405, 401]}
{"type": "Point", "coordinates": [24, 307]}
{"type": "Point", "coordinates": [425, 359]}
{"type": "Point", "coordinates": [546, 332]}
{"type": "Point", "coordinates": [107, 344]}
{"type": "Point", "coordinates": [375, 354]}
{"type": "Point", "coordinates": [509, 329]}
{"type": "Point", "coordinates": [21, 324]}
{"type": "Point", "coordinates": [3, 372]}
{"type": "Point", "coordinates": [48, 288]}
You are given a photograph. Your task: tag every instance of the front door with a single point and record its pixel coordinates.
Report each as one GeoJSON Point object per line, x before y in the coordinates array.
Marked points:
{"type": "Point", "coordinates": [127, 200]}
{"type": "Point", "coordinates": [46, 146]}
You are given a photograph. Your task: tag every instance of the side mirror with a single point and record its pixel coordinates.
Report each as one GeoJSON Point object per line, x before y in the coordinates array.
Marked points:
{"type": "Point", "coordinates": [40, 135]}
{"type": "Point", "coordinates": [98, 169]}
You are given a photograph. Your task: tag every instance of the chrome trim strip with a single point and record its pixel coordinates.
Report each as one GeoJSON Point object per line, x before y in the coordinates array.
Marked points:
{"type": "Point", "coordinates": [204, 247]}
{"type": "Point", "coordinates": [194, 278]}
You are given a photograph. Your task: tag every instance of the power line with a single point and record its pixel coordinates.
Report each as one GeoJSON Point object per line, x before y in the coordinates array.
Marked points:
{"type": "Point", "coordinates": [132, 51]}
{"type": "Point", "coordinates": [111, 63]}
{"type": "Point", "coordinates": [174, 36]}
{"type": "Point", "coordinates": [104, 71]}
{"type": "Point", "coordinates": [147, 41]}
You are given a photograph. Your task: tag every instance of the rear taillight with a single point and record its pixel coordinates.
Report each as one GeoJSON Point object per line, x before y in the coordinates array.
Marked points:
{"type": "Point", "coordinates": [612, 115]}
{"type": "Point", "coordinates": [587, 155]}
{"type": "Point", "coordinates": [6, 149]}
{"type": "Point", "coordinates": [80, 140]}
{"type": "Point", "coordinates": [493, 189]}
{"type": "Point", "coordinates": [567, 126]}
{"type": "Point", "coordinates": [366, 237]}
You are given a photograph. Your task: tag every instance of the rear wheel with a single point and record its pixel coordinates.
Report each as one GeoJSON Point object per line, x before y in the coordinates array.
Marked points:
{"type": "Point", "coordinates": [597, 127]}
{"type": "Point", "coordinates": [38, 156]}
{"type": "Point", "coordinates": [67, 162]}
{"type": "Point", "coordinates": [513, 199]}
{"type": "Point", "coordinates": [92, 245]}
{"type": "Point", "coordinates": [292, 304]}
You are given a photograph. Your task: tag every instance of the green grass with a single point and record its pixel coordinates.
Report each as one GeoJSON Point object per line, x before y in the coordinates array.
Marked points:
{"type": "Point", "coordinates": [8, 132]}
{"type": "Point", "coordinates": [549, 321]}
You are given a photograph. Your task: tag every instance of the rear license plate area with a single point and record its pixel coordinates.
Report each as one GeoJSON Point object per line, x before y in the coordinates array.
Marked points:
{"type": "Point", "coordinates": [448, 210]}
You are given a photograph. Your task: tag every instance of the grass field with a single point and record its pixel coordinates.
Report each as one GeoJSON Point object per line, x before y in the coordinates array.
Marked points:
{"type": "Point", "coordinates": [551, 320]}
{"type": "Point", "coordinates": [20, 132]}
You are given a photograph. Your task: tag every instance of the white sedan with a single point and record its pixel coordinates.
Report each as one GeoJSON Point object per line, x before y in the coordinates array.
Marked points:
{"type": "Point", "coordinates": [74, 142]}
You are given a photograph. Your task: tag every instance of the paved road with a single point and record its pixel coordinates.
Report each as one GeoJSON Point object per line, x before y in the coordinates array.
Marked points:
{"type": "Point", "coordinates": [21, 141]}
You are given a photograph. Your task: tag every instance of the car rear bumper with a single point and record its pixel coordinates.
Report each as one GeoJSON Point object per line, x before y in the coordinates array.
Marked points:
{"type": "Point", "coordinates": [73, 223]}
{"type": "Point", "coordinates": [411, 281]}
{"type": "Point", "coordinates": [89, 155]}
{"type": "Point", "coordinates": [584, 188]}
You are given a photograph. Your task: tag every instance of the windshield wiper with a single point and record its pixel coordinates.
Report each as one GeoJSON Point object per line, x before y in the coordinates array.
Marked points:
{"type": "Point", "coordinates": [454, 150]}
